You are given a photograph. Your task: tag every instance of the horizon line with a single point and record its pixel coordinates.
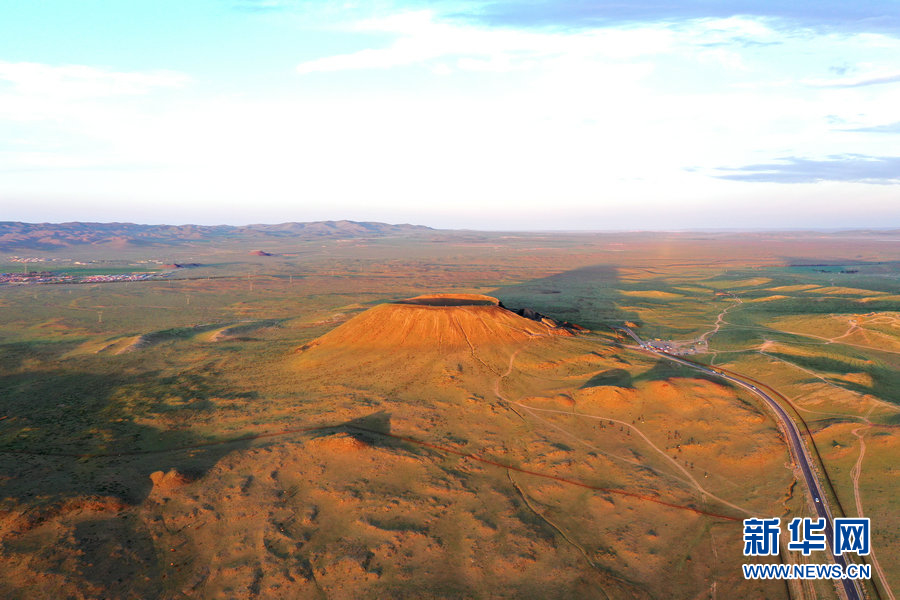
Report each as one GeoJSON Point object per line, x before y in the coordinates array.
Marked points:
{"type": "Point", "coordinates": [784, 229]}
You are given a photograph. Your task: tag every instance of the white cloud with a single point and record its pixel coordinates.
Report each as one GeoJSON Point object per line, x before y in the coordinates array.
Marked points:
{"type": "Point", "coordinates": [494, 119]}
{"type": "Point", "coordinates": [420, 39]}
{"type": "Point", "coordinates": [68, 117]}
{"type": "Point", "coordinates": [80, 81]}
{"type": "Point", "coordinates": [869, 77]}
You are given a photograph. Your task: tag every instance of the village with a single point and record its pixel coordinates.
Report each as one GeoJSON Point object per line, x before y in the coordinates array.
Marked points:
{"type": "Point", "coordinates": [34, 277]}
{"type": "Point", "coordinates": [31, 276]}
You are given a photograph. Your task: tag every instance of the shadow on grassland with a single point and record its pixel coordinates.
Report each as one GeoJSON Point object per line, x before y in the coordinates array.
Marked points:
{"type": "Point", "coordinates": [884, 380]}
{"type": "Point", "coordinates": [611, 377]}
{"type": "Point", "coordinates": [589, 296]}
{"type": "Point", "coordinates": [374, 430]}
{"type": "Point", "coordinates": [76, 445]}
{"type": "Point", "coordinates": [68, 434]}
{"type": "Point", "coordinates": [666, 369]}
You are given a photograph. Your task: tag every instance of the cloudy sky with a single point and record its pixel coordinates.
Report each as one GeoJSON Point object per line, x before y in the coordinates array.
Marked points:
{"type": "Point", "coordinates": [566, 114]}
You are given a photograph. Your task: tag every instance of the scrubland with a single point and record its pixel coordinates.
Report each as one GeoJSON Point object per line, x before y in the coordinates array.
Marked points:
{"type": "Point", "coordinates": [280, 427]}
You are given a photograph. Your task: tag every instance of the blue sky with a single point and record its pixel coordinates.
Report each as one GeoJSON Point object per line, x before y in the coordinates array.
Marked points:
{"type": "Point", "coordinates": [487, 115]}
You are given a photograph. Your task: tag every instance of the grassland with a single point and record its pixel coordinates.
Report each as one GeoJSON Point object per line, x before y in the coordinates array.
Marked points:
{"type": "Point", "coordinates": [170, 439]}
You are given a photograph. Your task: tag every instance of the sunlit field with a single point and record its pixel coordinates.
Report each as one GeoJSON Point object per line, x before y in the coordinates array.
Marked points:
{"type": "Point", "coordinates": [280, 426]}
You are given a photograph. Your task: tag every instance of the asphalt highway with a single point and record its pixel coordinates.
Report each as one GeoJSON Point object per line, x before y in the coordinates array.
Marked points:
{"type": "Point", "coordinates": [798, 449]}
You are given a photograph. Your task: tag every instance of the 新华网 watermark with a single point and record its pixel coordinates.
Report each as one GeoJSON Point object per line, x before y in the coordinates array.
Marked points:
{"type": "Point", "coordinates": [807, 535]}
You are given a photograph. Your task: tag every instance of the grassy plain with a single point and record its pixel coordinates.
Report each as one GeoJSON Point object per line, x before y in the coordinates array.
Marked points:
{"type": "Point", "coordinates": [191, 438]}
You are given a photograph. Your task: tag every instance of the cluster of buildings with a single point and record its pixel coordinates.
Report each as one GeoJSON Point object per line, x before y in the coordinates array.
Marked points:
{"type": "Point", "coordinates": [120, 277]}
{"type": "Point", "coordinates": [30, 277]}
{"type": "Point", "coordinates": [48, 277]}
{"type": "Point", "coordinates": [35, 259]}
{"type": "Point", "coordinates": [678, 348]}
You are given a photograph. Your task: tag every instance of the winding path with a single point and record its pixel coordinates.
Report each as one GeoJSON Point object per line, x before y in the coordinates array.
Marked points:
{"type": "Point", "coordinates": [854, 475]}
{"type": "Point", "coordinates": [798, 450]}
{"type": "Point", "coordinates": [690, 481]}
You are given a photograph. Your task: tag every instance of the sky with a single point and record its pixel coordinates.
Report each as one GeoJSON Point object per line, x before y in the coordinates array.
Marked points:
{"type": "Point", "coordinates": [499, 115]}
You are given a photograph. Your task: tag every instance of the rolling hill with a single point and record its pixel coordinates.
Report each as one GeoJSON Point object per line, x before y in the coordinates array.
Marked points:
{"type": "Point", "coordinates": [18, 236]}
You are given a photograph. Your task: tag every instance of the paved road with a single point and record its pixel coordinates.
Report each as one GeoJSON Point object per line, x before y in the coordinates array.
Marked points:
{"type": "Point", "coordinates": [798, 449]}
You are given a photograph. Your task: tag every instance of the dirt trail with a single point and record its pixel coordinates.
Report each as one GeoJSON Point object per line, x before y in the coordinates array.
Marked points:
{"type": "Point", "coordinates": [720, 320]}
{"type": "Point", "coordinates": [855, 471]}
{"type": "Point", "coordinates": [465, 335]}
{"type": "Point", "coordinates": [871, 399]}
{"type": "Point", "coordinates": [857, 468]}
{"type": "Point", "coordinates": [850, 330]}
{"type": "Point", "coordinates": [854, 475]}
{"type": "Point", "coordinates": [859, 322]}
{"type": "Point", "coordinates": [559, 530]}
{"type": "Point", "coordinates": [832, 341]}
{"type": "Point", "coordinates": [512, 406]}
{"type": "Point", "coordinates": [690, 481]}
{"type": "Point", "coordinates": [340, 426]}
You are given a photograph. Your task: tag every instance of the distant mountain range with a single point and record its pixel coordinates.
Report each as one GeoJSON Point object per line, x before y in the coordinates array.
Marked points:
{"type": "Point", "coordinates": [51, 236]}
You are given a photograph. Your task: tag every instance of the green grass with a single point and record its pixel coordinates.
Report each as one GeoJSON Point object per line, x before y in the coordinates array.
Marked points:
{"type": "Point", "coordinates": [437, 513]}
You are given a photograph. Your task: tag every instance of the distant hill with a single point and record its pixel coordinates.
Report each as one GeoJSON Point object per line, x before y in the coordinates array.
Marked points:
{"type": "Point", "coordinates": [50, 236]}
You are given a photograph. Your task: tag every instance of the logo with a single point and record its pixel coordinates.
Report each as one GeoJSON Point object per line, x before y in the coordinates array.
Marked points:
{"type": "Point", "coordinates": [807, 535]}
{"type": "Point", "coordinates": [761, 536]}
{"type": "Point", "coordinates": [851, 535]}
